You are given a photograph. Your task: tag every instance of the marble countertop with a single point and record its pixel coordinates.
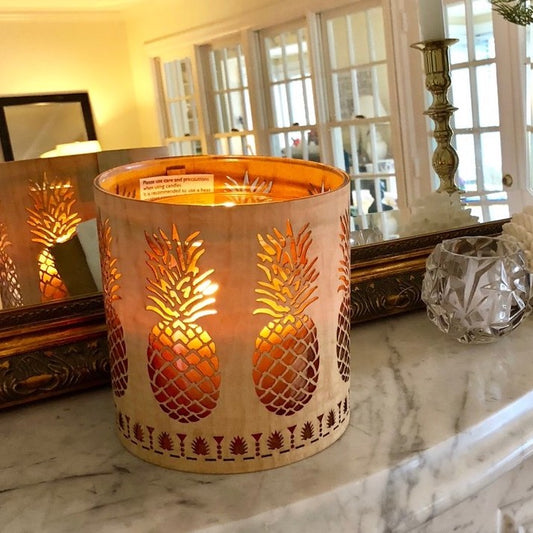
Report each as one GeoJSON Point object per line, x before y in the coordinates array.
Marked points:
{"type": "Point", "coordinates": [432, 422]}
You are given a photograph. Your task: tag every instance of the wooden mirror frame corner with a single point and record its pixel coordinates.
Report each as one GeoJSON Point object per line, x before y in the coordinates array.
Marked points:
{"type": "Point", "coordinates": [52, 349]}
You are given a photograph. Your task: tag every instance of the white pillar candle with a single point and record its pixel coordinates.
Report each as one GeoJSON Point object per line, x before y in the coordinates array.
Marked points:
{"type": "Point", "coordinates": [431, 17]}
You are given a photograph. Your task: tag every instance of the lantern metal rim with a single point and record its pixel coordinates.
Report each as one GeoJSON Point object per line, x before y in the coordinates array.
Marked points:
{"type": "Point", "coordinates": [126, 174]}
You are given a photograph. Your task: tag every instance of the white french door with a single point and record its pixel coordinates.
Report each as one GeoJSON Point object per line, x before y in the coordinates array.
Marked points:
{"type": "Point", "coordinates": [361, 117]}
{"type": "Point", "coordinates": [179, 112]}
{"type": "Point", "coordinates": [226, 78]}
{"type": "Point", "coordinates": [489, 123]}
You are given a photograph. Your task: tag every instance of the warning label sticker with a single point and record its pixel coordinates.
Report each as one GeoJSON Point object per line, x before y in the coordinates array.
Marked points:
{"type": "Point", "coordinates": [162, 186]}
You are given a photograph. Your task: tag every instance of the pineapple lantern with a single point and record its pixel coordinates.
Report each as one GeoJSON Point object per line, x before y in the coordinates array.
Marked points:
{"type": "Point", "coordinates": [226, 285]}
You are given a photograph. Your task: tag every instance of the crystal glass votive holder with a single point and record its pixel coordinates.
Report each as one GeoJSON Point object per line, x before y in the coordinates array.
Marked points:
{"type": "Point", "coordinates": [477, 289]}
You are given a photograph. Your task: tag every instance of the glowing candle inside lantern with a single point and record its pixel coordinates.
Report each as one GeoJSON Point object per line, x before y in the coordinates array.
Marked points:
{"type": "Point", "coordinates": [431, 18]}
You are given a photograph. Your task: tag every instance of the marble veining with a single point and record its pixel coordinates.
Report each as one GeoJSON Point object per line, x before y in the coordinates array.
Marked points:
{"type": "Point", "coordinates": [435, 426]}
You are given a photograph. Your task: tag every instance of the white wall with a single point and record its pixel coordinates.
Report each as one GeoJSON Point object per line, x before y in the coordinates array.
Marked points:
{"type": "Point", "coordinates": [108, 54]}
{"type": "Point", "coordinates": [65, 53]}
{"type": "Point", "coordinates": [162, 25]}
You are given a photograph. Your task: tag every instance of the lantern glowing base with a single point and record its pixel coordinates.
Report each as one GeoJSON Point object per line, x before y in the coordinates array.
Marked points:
{"type": "Point", "coordinates": [227, 296]}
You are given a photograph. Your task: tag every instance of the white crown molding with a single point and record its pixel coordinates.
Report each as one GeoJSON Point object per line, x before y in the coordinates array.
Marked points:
{"type": "Point", "coordinates": [71, 16]}
{"type": "Point", "coordinates": [275, 13]}
{"type": "Point", "coordinates": [56, 6]}
{"type": "Point", "coordinates": [20, 10]}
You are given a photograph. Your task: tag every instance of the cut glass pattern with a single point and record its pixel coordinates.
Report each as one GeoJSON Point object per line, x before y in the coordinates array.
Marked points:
{"type": "Point", "coordinates": [476, 289]}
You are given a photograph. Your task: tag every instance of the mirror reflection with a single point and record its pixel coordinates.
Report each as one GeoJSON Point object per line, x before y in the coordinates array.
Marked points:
{"type": "Point", "coordinates": [44, 201]}
{"type": "Point", "coordinates": [358, 104]}
{"type": "Point", "coordinates": [48, 243]}
{"type": "Point", "coordinates": [436, 212]}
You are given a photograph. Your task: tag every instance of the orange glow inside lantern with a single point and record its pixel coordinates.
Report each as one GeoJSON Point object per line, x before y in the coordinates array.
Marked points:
{"type": "Point", "coordinates": [228, 324]}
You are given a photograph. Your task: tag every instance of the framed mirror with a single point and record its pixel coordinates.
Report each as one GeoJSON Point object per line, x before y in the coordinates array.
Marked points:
{"type": "Point", "coordinates": [52, 345]}
{"type": "Point", "coordinates": [36, 124]}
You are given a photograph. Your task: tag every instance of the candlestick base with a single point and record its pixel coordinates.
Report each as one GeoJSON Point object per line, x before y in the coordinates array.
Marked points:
{"type": "Point", "coordinates": [437, 69]}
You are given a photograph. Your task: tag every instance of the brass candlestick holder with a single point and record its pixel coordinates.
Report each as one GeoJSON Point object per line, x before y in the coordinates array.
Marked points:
{"type": "Point", "coordinates": [437, 68]}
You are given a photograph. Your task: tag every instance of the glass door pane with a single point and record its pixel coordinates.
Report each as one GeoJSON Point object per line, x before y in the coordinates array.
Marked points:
{"type": "Point", "coordinates": [292, 117]}
{"type": "Point", "coordinates": [474, 92]}
{"type": "Point", "coordinates": [359, 107]}
{"type": "Point", "coordinates": [181, 133]}
{"type": "Point", "coordinates": [233, 118]}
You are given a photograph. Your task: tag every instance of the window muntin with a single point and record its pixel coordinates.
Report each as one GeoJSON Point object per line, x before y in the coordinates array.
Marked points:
{"type": "Point", "coordinates": [181, 127]}
{"type": "Point", "coordinates": [474, 91]}
{"type": "Point", "coordinates": [233, 124]}
{"type": "Point", "coordinates": [359, 104]}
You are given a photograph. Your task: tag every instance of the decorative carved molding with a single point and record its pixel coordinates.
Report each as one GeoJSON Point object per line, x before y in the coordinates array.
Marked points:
{"type": "Point", "coordinates": [61, 310]}
{"type": "Point", "coordinates": [52, 349]}
{"type": "Point", "coordinates": [54, 370]}
{"type": "Point", "coordinates": [420, 244]}
{"type": "Point", "coordinates": [389, 295]}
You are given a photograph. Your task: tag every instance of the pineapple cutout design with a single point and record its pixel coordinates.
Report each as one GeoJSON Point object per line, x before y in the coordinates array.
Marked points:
{"type": "Point", "coordinates": [313, 189]}
{"type": "Point", "coordinates": [286, 358]}
{"type": "Point", "coordinates": [52, 219]}
{"type": "Point", "coordinates": [115, 332]}
{"type": "Point", "coordinates": [182, 362]}
{"type": "Point", "coordinates": [10, 291]}
{"type": "Point", "coordinates": [127, 192]}
{"type": "Point", "coordinates": [248, 193]}
{"type": "Point", "coordinates": [343, 324]}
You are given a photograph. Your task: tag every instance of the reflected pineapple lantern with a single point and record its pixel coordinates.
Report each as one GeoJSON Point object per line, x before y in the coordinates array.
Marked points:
{"type": "Point", "coordinates": [52, 219]}
{"type": "Point", "coordinates": [10, 290]}
{"type": "Point", "coordinates": [232, 311]}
